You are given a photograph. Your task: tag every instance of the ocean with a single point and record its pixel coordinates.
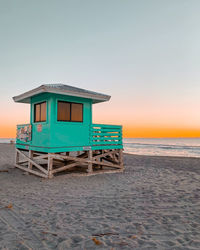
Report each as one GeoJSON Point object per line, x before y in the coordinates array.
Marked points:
{"type": "Point", "coordinates": [187, 147]}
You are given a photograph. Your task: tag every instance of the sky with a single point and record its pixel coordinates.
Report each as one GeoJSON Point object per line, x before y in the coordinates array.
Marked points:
{"type": "Point", "coordinates": [144, 53]}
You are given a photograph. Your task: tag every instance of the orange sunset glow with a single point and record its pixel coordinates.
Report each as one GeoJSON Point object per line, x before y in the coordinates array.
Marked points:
{"type": "Point", "coordinates": [142, 132]}
{"type": "Point", "coordinates": [139, 122]}
{"type": "Point", "coordinates": [9, 131]}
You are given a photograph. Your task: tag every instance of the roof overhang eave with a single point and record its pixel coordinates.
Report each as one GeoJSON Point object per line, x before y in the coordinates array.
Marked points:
{"type": "Point", "coordinates": [26, 97]}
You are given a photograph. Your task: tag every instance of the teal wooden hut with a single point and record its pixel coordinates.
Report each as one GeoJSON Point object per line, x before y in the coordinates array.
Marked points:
{"type": "Point", "coordinates": [61, 132]}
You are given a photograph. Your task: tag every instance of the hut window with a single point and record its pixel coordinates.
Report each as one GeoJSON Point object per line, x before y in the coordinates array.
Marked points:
{"type": "Point", "coordinates": [71, 112]}
{"type": "Point", "coordinates": [63, 111]}
{"type": "Point", "coordinates": [40, 112]}
{"type": "Point", "coordinates": [76, 112]}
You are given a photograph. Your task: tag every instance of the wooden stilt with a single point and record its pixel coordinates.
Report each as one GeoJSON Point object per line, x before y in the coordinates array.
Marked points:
{"type": "Point", "coordinates": [30, 164]}
{"type": "Point", "coordinates": [16, 157]}
{"type": "Point", "coordinates": [90, 163]}
{"type": "Point", "coordinates": [100, 159]}
{"type": "Point", "coordinates": [121, 158]}
{"type": "Point", "coordinates": [50, 166]}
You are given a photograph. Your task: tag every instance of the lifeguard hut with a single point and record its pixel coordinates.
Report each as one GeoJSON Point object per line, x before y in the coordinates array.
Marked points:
{"type": "Point", "coordinates": [61, 135]}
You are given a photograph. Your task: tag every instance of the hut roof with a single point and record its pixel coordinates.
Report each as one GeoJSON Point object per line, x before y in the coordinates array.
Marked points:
{"type": "Point", "coordinates": [63, 90]}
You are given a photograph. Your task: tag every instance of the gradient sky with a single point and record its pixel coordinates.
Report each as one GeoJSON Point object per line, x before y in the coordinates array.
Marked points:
{"type": "Point", "coordinates": [144, 53]}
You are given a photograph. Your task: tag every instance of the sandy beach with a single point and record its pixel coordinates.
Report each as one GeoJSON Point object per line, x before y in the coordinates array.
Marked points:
{"type": "Point", "coordinates": [153, 204]}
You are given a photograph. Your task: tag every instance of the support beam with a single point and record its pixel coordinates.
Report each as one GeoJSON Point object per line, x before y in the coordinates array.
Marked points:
{"type": "Point", "coordinates": [50, 166]}
{"type": "Point", "coordinates": [109, 159]}
{"type": "Point", "coordinates": [16, 156]}
{"type": "Point", "coordinates": [65, 167]}
{"type": "Point", "coordinates": [89, 170]}
{"type": "Point", "coordinates": [31, 171]}
{"type": "Point", "coordinates": [121, 158]}
{"type": "Point", "coordinates": [39, 157]}
{"type": "Point", "coordinates": [100, 159]}
{"type": "Point", "coordinates": [30, 154]}
{"type": "Point", "coordinates": [34, 163]}
{"type": "Point", "coordinates": [107, 164]}
{"type": "Point", "coordinates": [104, 153]}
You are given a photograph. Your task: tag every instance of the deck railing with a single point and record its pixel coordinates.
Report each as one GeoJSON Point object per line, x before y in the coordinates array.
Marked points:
{"type": "Point", "coordinates": [102, 134]}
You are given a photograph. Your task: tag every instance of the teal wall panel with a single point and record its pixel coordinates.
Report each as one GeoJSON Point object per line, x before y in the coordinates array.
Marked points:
{"type": "Point", "coordinates": [41, 138]}
{"type": "Point", "coordinates": [66, 134]}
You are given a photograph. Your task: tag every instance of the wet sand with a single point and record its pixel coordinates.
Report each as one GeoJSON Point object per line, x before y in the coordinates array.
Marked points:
{"type": "Point", "coordinates": [153, 204]}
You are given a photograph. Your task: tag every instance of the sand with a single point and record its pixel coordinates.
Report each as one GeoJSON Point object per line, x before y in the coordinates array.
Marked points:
{"type": "Point", "coordinates": [153, 204]}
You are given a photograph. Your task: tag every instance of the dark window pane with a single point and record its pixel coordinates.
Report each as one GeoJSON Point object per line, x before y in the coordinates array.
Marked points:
{"type": "Point", "coordinates": [43, 112]}
{"type": "Point", "coordinates": [63, 111]}
{"type": "Point", "coordinates": [40, 112]}
{"type": "Point", "coordinates": [76, 112]}
{"type": "Point", "coordinates": [37, 112]}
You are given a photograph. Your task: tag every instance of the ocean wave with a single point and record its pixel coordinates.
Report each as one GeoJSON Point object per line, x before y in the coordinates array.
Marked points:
{"type": "Point", "coordinates": [188, 147]}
